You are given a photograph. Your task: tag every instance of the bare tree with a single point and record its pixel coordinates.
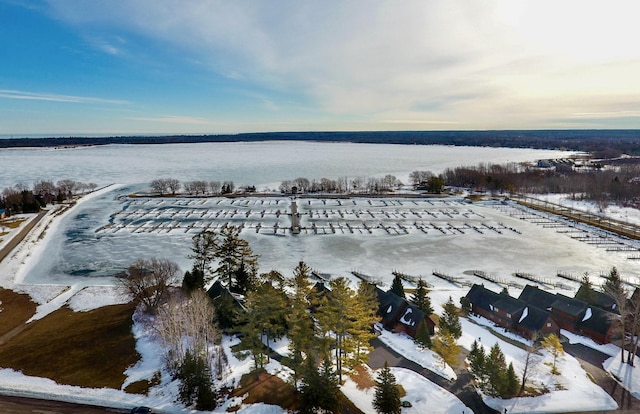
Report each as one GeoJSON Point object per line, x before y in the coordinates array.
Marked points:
{"type": "Point", "coordinates": [148, 281]}
{"type": "Point", "coordinates": [159, 186]}
{"type": "Point", "coordinates": [173, 185]}
{"type": "Point", "coordinates": [531, 361]}
{"type": "Point", "coordinates": [187, 324]}
{"type": "Point", "coordinates": [215, 186]}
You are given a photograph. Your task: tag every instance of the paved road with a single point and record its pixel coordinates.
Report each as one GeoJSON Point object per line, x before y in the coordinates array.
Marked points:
{"type": "Point", "coordinates": [20, 405]}
{"type": "Point", "coordinates": [461, 388]}
{"type": "Point", "coordinates": [591, 360]}
{"type": "Point", "coordinates": [16, 239]}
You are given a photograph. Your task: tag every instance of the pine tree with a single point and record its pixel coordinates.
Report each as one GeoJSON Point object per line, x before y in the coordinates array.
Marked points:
{"type": "Point", "coordinates": [586, 292]}
{"type": "Point", "coordinates": [365, 315]}
{"type": "Point", "coordinates": [232, 252]}
{"type": "Point", "coordinates": [495, 368]}
{"type": "Point", "coordinates": [476, 359]}
{"type": "Point", "coordinates": [196, 386]}
{"type": "Point", "coordinates": [450, 321]}
{"type": "Point", "coordinates": [387, 395]}
{"type": "Point", "coordinates": [397, 287]}
{"type": "Point", "coordinates": [421, 299]}
{"type": "Point", "coordinates": [510, 383]}
{"type": "Point", "coordinates": [423, 336]}
{"type": "Point", "coordinates": [613, 283]}
{"type": "Point", "coordinates": [301, 325]}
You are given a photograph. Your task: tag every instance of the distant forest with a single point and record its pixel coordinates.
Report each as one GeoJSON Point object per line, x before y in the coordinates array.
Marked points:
{"type": "Point", "coordinates": [609, 143]}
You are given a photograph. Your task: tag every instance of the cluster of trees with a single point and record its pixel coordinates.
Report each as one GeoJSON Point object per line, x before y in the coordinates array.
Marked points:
{"type": "Point", "coordinates": [342, 185]}
{"type": "Point", "coordinates": [329, 329]}
{"type": "Point", "coordinates": [491, 372]}
{"type": "Point", "coordinates": [426, 180]}
{"type": "Point", "coordinates": [172, 186]}
{"type": "Point", "coordinates": [21, 199]}
{"type": "Point", "coordinates": [627, 304]}
{"type": "Point", "coordinates": [494, 377]}
{"type": "Point", "coordinates": [185, 320]}
{"type": "Point", "coordinates": [608, 185]}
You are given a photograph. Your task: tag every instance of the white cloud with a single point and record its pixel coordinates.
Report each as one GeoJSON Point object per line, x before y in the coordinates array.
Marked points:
{"type": "Point", "coordinates": [36, 96]}
{"type": "Point", "coordinates": [485, 64]}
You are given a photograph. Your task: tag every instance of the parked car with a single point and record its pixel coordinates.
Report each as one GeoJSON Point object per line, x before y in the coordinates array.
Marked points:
{"type": "Point", "coordinates": [141, 410]}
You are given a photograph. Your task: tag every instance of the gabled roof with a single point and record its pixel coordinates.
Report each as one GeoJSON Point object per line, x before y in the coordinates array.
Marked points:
{"type": "Point", "coordinates": [508, 304]}
{"type": "Point", "coordinates": [411, 316]}
{"type": "Point", "coordinates": [603, 301]}
{"type": "Point", "coordinates": [538, 297]}
{"type": "Point", "coordinates": [217, 290]}
{"type": "Point", "coordinates": [597, 320]}
{"type": "Point", "coordinates": [533, 318]}
{"type": "Point", "coordinates": [482, 297]}
{"type": "Point", "coordinates": [569, 305]}
{"type": "Point", "coordinates": [390, 304]}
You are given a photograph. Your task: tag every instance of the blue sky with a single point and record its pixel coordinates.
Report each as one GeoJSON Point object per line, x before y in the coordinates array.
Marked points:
{"type": "Point", "coordinates": [119, 67]}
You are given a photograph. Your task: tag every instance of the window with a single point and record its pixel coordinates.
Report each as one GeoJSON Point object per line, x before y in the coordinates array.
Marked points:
{"type": "Point", "coordinates": [548, 324]}
{"type": "Point", "coordinates": [508, 315]}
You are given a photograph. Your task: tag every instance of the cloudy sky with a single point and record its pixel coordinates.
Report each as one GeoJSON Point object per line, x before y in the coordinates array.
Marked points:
{"type": "Point", "coordinates": [74, 67]}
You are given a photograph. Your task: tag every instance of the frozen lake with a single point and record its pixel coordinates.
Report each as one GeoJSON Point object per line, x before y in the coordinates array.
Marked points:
{"type": "Point", "coordinates": [415, 236]}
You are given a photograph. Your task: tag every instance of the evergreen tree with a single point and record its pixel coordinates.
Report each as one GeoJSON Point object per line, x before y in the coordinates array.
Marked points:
{"type": "Point", "coordinates": [320, 388]}
{"type": "Point", "coordinates": [387, 395]}
{"type": "Point", "coordinates": [511, 383]}
{"type": "Point", "coordinates": [450, 321]}
{"type": "Point", "coordinates": [233, 252]}
{"type": "Point", "coordinates": [336, 319]}
{"type": "Point", "coordinates": [421, 299]}
{"type": "Point", "coordinates": [299, 320]}
{"type": "Point", "coordinates": [203, 247]}
{"type": "Point", "coordinates": [196, 386]}
{"type": "Point", "coordinates": [226, 312]}
{"type": "Point", "coordinates": [586, 292]}
{"type": "Point", "coordinates": [365, 315]}
{"type": "Point", "coordinates": [423, 336]}
{"type": "Point", "coordinates": [495, 368]}
{"type": "Point", "coordinates": [193, 280]}
{"type": "Point", "coordinates": [397, 287]}
{"type": "Point", "coordinates": [476, 360]}
{"type": "Point", "coordinates": [613, 283]}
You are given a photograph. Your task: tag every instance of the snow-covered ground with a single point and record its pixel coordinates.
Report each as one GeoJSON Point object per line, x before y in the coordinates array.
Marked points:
{"type": "Point", "coordinates": [521, 243]}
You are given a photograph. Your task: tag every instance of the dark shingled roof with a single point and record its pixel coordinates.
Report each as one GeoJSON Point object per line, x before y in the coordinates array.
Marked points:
{"type": "Point", "coordinates": [390, 305]}
{"type": "Point", "coordinates": [538, 297]}
{"type": "Point", "coordinates": [600, 320]}
{"type": "Point", "coordinates": [508, 304]}
{"type": "Point", "coordinates": [569, 305]}
{"type": "Point", "coordinates": [599, 299]}
{"type": "Point", "coordinates": [482, 297]}
{"type": "Point", "coordinates": [535, 318]}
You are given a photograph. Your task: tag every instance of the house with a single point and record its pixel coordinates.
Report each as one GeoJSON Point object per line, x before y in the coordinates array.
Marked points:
{"type": "Point", "coordinates": [534, 321]}
{"type": "Point", "coordinates": [508, 310]}
{"type": "Point", "coordinates": [599, 325]}
{"type": "Point", "coordinates": [567, 311]}
{"type": "Point", "coordinates": [537, 297]}
{"type": "Point", "coordinates": [218, 292]}
{"type": "Point", "coordinates": [481, 300]}
{"type": "Point", "coordinates": [597, 298]}
{"type": "Point", "coordinates": [398, 315]}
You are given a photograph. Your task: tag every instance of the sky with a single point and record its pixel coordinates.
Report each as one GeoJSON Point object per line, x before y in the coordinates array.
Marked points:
{"type": "Point", "coordinates": [121, 67]}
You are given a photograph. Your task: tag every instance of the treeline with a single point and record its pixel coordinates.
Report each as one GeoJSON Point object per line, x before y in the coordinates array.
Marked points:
{"type": "Point", "coordinates": [620, 141]}
{"type": "Point", "coordinates": [21, 199]}
{"type": "Point", "coordinates": [620, 185]}
{"type": "Point", "coordinates": [164, 186]}
{"type": "Point", "coordinates": [342, 185]}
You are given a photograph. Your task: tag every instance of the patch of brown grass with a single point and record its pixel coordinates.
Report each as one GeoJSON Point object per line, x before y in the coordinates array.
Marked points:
{"type": "Point", "coordinates": [143, 386]}
{"type": "Point", "coordinates": [362, 378]}
{"type": "Point", "coordinates": [89, 349]}
{"type": "Point", "coordinates": [13, 224]}
{"type": "Point", "coordinates": [266, 388]}
{"type": "Point", "coordinates": [15, 309]}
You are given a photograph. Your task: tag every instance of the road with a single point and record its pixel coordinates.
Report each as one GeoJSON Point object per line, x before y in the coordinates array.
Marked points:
{"type": "Point", "coordinates": [461, 388]}
{"type": "Point", "coordinates": [20, 405]}
{"type": "Point", "coordinates": [16, 239]}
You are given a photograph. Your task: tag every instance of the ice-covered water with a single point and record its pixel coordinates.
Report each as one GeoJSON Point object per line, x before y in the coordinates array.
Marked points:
{"type": "Point", "coordinates": [245, 163]}
{"type": "Point", "coordinates": [79, 248]}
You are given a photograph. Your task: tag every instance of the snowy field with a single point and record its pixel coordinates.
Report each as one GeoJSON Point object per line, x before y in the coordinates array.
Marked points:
{"type": "Point", "coordinates": [70, 259]}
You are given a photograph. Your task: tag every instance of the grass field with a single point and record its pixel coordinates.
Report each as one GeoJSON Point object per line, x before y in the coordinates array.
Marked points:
{"type": "Point", "coordinates": [15, 310]}
{"type": "Point", "coordinates": [89, 349]}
